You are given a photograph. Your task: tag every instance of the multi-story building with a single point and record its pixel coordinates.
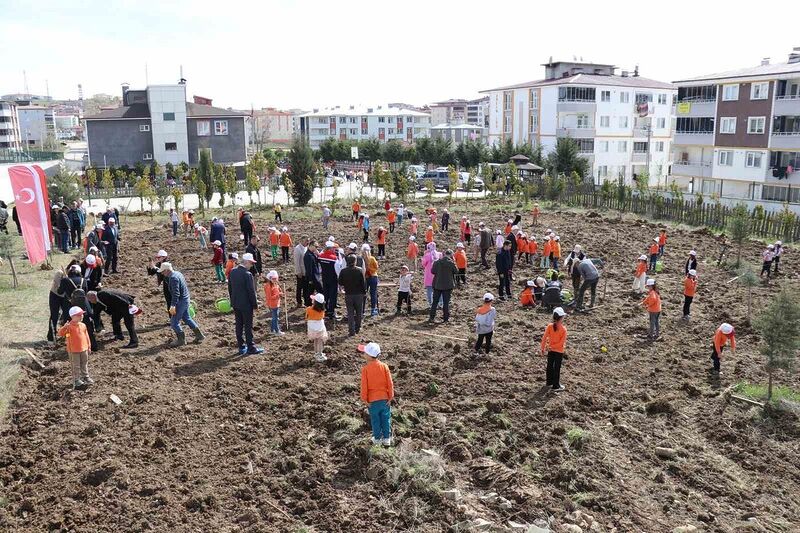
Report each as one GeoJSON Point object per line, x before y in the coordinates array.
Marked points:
{"type": "Point", "coordinates": [273, 126]}
{"type": "Point", "coordinates": [36, 125]}
{"type": "Point", "coordinates": [460, 111]}
{"type": "Point", "coordinates": [9, 126]}
{"type": "Point", "coordinates": [622, 123]}
{"type": "Point", "coordinates": [458, 133]}
{"type": "Point", "coordinates": [381, 122]}
{"type": "Point", "coordinates": [157, 123]}
{"type": "Point", "coordinates": [737, 133]}
{"type": "Point", "coordinates": [68, 126]}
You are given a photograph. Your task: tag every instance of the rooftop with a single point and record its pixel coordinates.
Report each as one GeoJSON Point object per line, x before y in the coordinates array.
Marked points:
{"type": "Point", "coordinates": [593, 80]}
{"type": "Point", "coordinates": [778, 69]}
{"type": "Point", "coordinates": [143, 111]}
{"type": "Point", "coordinates": [365, 111]}
{"type": "Point", "coordinates": [457, 127]}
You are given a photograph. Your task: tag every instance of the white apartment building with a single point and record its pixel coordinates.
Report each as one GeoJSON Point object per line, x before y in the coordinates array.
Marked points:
{"type": "Point", "coordinates": [622, 123]}
{"type": "Point", "coordinates": [460, 111]}
{"type": "Point", "coordinates": [9, 126]}
{"type": "Point", "coordinates": [381, 122]}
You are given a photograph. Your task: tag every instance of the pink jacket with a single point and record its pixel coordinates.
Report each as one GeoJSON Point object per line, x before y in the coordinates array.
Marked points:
{"type": "Point", "coordinates": [431, 256]}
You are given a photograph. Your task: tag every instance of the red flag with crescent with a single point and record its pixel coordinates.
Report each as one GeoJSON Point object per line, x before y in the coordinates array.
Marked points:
{"type": "Point", "coordinates": [29, 184]}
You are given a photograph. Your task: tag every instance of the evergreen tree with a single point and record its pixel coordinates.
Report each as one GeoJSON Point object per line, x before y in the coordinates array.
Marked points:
{"type": "Point", "coordinates": [739, 226]}
{"type": "Point", "coordinates": [205, 173]}
{"type": "Point", "coordinates": [301, 172]}
{"type": "Point", "coordinates": [779, 326]}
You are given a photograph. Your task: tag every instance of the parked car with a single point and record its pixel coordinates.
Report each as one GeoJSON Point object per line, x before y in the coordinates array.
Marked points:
{"type": "Point", "coordinates": [416, 171]}
{"type": "Point", "coordinates": [439, 177]}
{"type": "Point", "coordinates": [463, 179]}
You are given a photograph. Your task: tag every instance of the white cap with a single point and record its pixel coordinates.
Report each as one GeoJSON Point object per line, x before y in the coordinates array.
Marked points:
{"type": "Point", "coordinates": [332, 238]}
{"type": "Point", "coordinates": [352, 246]}
{"type": "Point", "coordinates": [642, 257]}
{"type": "Point", "coordinates": [235, 255]}
{"type": "Point", "coordinates": [770, 246]}
{"type": "Point", "coordinates": [161, 253]}
{"type": "Point", "coordinates": [514, 228]}
{"type": "Point", "coordinates": [365, 247]}
{"type": "Point", "coordinates": [547, 237]}
{"type": "Point", "coordinates": [548, 230]}
{"type": "Point", "coordinates": [75, 310]}
{"type": "Point", "coordinates": [510, 221]}
{"type": "Point", "coordinates": [319, 298]}
{"type": "Point", "coordinates": [692, 253]}
{"type": "Point", "coordinates": [725, 328]}
{"type": "Point", "coordinates": [488, 296]}
{"type": "Point", "coordinates": [93, 249]}
{"type": "Point", "coordinates": [330, 244]}
{"type": "Point", "coordinates": [248, 257]}
{"type": "Point", "coordinates": [165, 266]}
{"type": "Point", "coordinates": [76, 268]}
{"type": "Point", "coordinates": [692, 272]}
{"type": "Point", "coordinates": [558, 238]}
{"type": "Point", "coordinates": [372, 349]}
{"type": "Point", "coordinates": [540, 281]}
{"type": "Point", "coordinates": [217, 243]}
{"type": "Point", "coordinates": [272, 274]}
{"type": "Point", "coordinates": [99, 225]}
{"type": "Point", "coordinates": [412, 238]}
{"type": "Point", "coordinates": [577, 248]}
{"type": "Point", "coordinates": [284, 228]}
{"type": "Point", "coordinates": [559, 311]}
{"type": "Point", "coordinates": [497, 232]}
{"type": "Point", "coordinates": [460, 245]}
{"type": "Point", "coordinates": [655, 239]}
{"type": "Point", "coordinates": [530, 283]}
{"type": "Point", "coordinates": [90, 259]}
{"type": "Point", "coordinates": [650, 282]}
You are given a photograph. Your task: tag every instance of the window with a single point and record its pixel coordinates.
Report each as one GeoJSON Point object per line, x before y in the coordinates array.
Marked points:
{"type": "Point", "coordinates": [605, 121]}
{"type": "Point", "coordinates": [382, 119]}
{"type": "Point", "coordinates": [220, 127]}
{"type": "Point", "coordinates": [364, 131]}
{"type": "Point", "coordinates": [726, 158]}
{"type": "Point", "coordinates": [171, 147]}
{"type": "Point", "coordinates": [508, 97]}
{"type": "Point", "coordinates": [705, 93]}
{"type": "Point", "coordinates": [534, 121]}
{"type": "Point", "coordinates": [389, 119]}
{"type": "Point", "coordinates": [169, 116]}
{"type": "Point", "coordinates": [730, 92]}
{"type": "Point", "coordinates": [585, 146]}
{"type": "Point", "coordinates": [391, 131]}
{"type": "Point", "coordinates": [147, 157]}
{"type": "Point", "coordinates": [602, 170]}
{"type": "Point", "coordinates": [710, 187]}
{"type": "Point", "coordinates": [755, 125]}
{"type": "Point", "coordinates": [602, 146]}
{"type": "Point", "coordinates": [352, 120]}
{"type": "Point", "coordinates": [658, 146]}
{"type": "Point", "coordinates": [353, 131]}
{"type": "Point", "coordinates": [576, 94]}
{"type": "Point", "coordinates": [759, 91]}
{"type": "Point", "coordinates": [409, 119]}
{"type": "Point", "coordinates": [622, 146]}
{"type": "Point", "coordinates": [624, 97]}
{"type": "Point", "coordinates": [727, 125]}
{"type": "Point", "coordinates": [203, 128]}
{"type": "Point", "coordinates": [661, 123]}
{"type": "Point", "coordinates": [507, 124]}
{"type": "Point", "coordinates": [752, 159]}
{"type": "Point", "coordinates": [623, 122]}
{"type": "Point", "coordinates": [534, 99]}
{"type": "Point", "coordinates": [583, 120]}
{"type": "Point", "coordinates": [342, 120]}
{"type": "Point", "coordinates": [694, 125]}
{"type": "Point", "coordinates": [640, 147]}
{"type": "Point", "coordinates": [662, 98]}
{"type": "Point", "coordinates": [605, 96]}
{"type": "Point", "coordinates": [144, 127]}
{"type": "Point", "coordinates": [644, 98]}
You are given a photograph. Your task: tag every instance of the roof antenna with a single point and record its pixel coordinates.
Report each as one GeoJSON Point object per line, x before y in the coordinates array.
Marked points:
{"type": "Point", "coordinates": [182, 80]}
{"type": "Point", "coordinates": [146, 78]}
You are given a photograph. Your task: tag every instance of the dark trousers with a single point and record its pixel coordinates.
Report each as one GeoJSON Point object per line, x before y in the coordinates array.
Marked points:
{"type": "Point", "coordinates": [76, 235]}
{"type": "Point", "coordinates": [554, 369]}
{"type": "Point", "coordinates": [776, 261]}
{"type": "Point", "coordinates": [462, 276]}
{"type": "Point", "coordinates": [88, 321]}
{"type": "Point", "coordinates": [445, 225]}
{"type": "Point", "coordinates": [244, 326]}
{"type": "Point", "coordinates": [312, 286]}
{"type": "Point", "coordinates": [301, 290]}
{"type": "Point", "coordinates": [444, 296]}
{"type": "Point", "coordinates": [715, 357]}
{"type": "Point", "coordinates": [381, 250]}
{"type": "Point", "coordinates": [504, 286]}
{"type": "Point", "coordinates": [481, 338]}
{"type": "Point", "coordinates": [330, 290]}
{"type": "Point", "coordinates": [591, 284]}
{"type": "Point", "coordinates": [285, 254]}
{"type": "Point", "coordinates": [65, 241]}
{"type": "Point", "coordinates": [766, 268]}
{"type": "Point", "coordinates": [128, 319]}
{"type": "Point", "coordinates": [391, 227]}
{"type": "Point", "coordinates": [248, 235]}
{"type": "Point", "coordinates": [278, 217]}
{"type": "Point", "coordinates": [55, 310]}
{"type": "Point", "coordinates": [175, 229]}
{"type": "Point", "coordinates": [355, 312]}
{"type": "Point", "coordinates": [653, 261]}
{"type": "Point", "coordinates": [687, 303]}
{"type": "Point", "coordinates": [403, 297]}
{"type": "Point", "coordinates": [111, 258]}
{"type": "Point", "coordinates": [366, 235]}
{"type": "Point", "coordinates": [484, 263]}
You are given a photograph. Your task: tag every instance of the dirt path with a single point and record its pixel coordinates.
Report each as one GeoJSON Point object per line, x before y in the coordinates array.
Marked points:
{"type": "Point", "coordinates": [207, 441]}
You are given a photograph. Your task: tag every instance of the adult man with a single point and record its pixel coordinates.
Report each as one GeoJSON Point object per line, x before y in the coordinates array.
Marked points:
{"type": "Point", "coordinates": [313, 272]}
{"type": "Point", "coordinates": [300, 294]}
{"type": "Point", "coordinates": [111, 212]}
{"type": "Point", "coordinates": [351, 278]}
{"type": "Point", "coordinates": [179, 306]}
{"type": "Point", "coordinates": [444, 280]}
{"type": "Point", "coordinates": [217, 233]}
{"type": "Point", "coordinates": [590, 278]}
{"type": "Point", "coordinates": [252, 248]}
{"type": "Point", "coordinates": [76, 224]}
{"type": "Point", "coordinates": [246, 225]}
{"type": "Point", "coordinates": [152, 269]}
{"type": "Point", "coordinates": [95, 238]}
{"type": "Point", "coordinates": [504, 263]}
{"type": "Point", "coordinates": [486, 242]}
{"type": "Point", "coordinates": [330, 282]}
{"type": "Point", "coordinates": [242, 292]}
{"type": "Point", "coordinates": [120, 306]}
{"type": "Point", "coordinates": [91, 272]}
{"type": "Point", "coordinates": [111, 242]}
{"type": "Point", "coordinates": [326, 216]}
{"type": "Point", "coordinates": [514, 244]}
{"type": "Point", "coordinates": [64, 227]}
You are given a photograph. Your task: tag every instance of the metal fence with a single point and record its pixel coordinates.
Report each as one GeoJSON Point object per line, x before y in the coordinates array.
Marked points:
{"type": "Point", "coordinates": [28, 156]}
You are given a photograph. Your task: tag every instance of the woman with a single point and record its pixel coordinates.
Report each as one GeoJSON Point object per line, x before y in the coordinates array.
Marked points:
{"type": "Point", "coordinates": [430, 257]}
{"type": "Point", "coordinates": [553, 342]}
{"type": "Point", "coordinates": [371, 275]}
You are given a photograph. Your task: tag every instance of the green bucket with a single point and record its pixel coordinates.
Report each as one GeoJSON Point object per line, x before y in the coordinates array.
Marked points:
{"type": "Point", "coordinates": [192, 309]}
{"type": "Point", "coordinates": [566, 295]}
{"type": "Point", "coordinates": [223, 305]}
{"type": "Point", "coordinates": [659, 266]}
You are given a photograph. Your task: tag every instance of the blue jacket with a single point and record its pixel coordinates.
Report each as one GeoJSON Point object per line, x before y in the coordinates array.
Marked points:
{"type": "Point", "coordinates": [178, 289]}
{"type": "Point", "coordinates": [311, 264]}
{"type": "Point", "coordinates": [111, 235]}
{"type": "Point", "coordinates": [366, 224]}
{"type": "Point", "coordinates": [242, 289]}
{"type": "Point", "coordinates": [503, 261]}
{"type": "Point", "coordinates": [217, 232]}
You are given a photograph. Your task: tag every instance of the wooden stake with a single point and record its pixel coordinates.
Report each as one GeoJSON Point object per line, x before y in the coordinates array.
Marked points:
{"type": "Point", "coordinates": [747, 400]}
{"type": "Point", "coordinates": [35, 359]}
{"type": "Point", "coordinates": [285, 311]}
{"type": "Point", "coordinates": [442, 336]}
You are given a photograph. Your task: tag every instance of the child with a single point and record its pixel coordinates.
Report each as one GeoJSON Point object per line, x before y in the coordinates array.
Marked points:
{"type": "Point", "coordinates": [315, 322]}
{"type": "Point", "coordinates": [190, 225]}
{"type": "Point", "coordinates": [460, 258]}
{"type": "Point", "coordinates": [467, 233]}
{"type": "Point", "coordinates": [535, 213]}
{"type": "Point", "coordinates": [173, 216]}
{"type": "Point", "coordinates": [767, 256]}
{"type": "Point", "coordinates": [662, 242]}
{"type": "Point", "coordinates": [391, 218]}
{"type": "Point", "coordinates": [356, 211]}
{"type": "Point", "coordinates": [778, 252]}
{"type": "Point", "coordinates": [404, 290]}
{"type": "Point", "coordinates": [640, 275]}
{"type": "Point", "coordinates": [554, 341]}
{"type": "Point", "coordinates": [78, 347]}
{"type": "Point", "coordinates": [381, 240]}
{"type": "Point", "coordinates": [533, 247]}
{"type": "Point", "coordinates": [414, 226]}
{"type": "Point", "coordinates": [653, 254]}
{"type": "Point", "coordinates": [555, 252]}
{"type": "Point", "coordinates": [434, 222]}
{"type": "Point", "coordinates": [461, 226]}
{"type": "Point", "coordinates": [653, 304]}
{"type": "Point", "coordinates": [365, 227]}
{"type": "Point", "coordinates": [724, 334]}
{"type": "Point", "coordinates": [387, 205]}
{"type": "Point", "coordinates": [274, 241]}
{"type": "Point", "coordinates": [548, 247]}
{"type": "Point", "coordinates": [689, 290]}
{"type": "Point", "coordinates": [526, 297]}
{"type": "Point", "coordinates": [200, 232]}
{"type": "Point", "coordinates": [499, 240]}
{"type": "Point", "coordinates": [231, 264]}
{"type": "Point", "coordinates": [413, 251]}
{"type": "Point", "coordinates": [484, 323]}
{"type": "Point", "coordinates": [285, 242]}
{"type": "Point", "coordinates": [509, 226]}
{"type": "Point", "coordinates": [691, 263]}
{"type": "Point", "coordinates": [429, 235]}
{"type": "Point", "coordinates": [377, 391]}
{"type": "Point", "coordinates": [445, 220]}
{"type": "Point", "coordinates": [277, 209]}
{"type": "Point", "coordinates": [218, 260]}
{"type": "Point", "coordinates": [522, 245]}
{"type": "Point", "coordinates": [272, 292]}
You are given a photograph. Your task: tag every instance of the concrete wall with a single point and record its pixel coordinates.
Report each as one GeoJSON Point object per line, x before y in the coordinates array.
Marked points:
{"type": "Point", "coordinates": [230, 148]}
{"type": "Point", "coordinates": [120, 141]}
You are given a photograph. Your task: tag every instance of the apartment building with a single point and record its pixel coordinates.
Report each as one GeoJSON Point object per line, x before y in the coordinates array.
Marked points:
{"type": "Point", "coordinates": [383, 123]}
{"type": "Point", "coordinates": [460, 111]}
{"type": "Point", "coordinates": [157, 123]}
{"type": "Point", "coordinates": [737, 133]}
{"type": "Point", "coordinates": [622, 123]}
{"type": "Point", "coordinates": [273, 126]}
{"type": "Point", "coordinates": [9, 126]}
{"type": "Point", "coordinates": [36, 125]}
{"type": "Point", "coordinates": [458, 133]}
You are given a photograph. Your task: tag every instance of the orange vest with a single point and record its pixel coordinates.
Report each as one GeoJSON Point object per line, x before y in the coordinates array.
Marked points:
{"type": "Point", "coordinates": [429, 236]}
{"type": "Point", "coordinates": [413, 250]}
{"type": "Point", "coordinates": [689, 287]}
{"type": "Point", "coordinates": [285, 239]}
{"type": "Point", "coordinates": [460, 258]}
{"type": "Point", "coordinates": [391, 217]}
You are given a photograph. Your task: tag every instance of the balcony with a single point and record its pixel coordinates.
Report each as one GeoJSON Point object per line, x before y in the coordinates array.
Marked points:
{"type": "Point", "coordinates": [785, 140]}
{"type": "Point", "coordinates": [786, 105]}
{"type": "Point", "coordinates": [639, 157]}
{"type": "Point", "coordinates": [576, 132]}
{"type": "Point", "coordinates": [694, 169]}
{"type": "Point", "coordinates": [699, 138]}
{"type": "Point", "coordinates": [582, 106]}
{"type": "Point", "coordinates": [695, 108]}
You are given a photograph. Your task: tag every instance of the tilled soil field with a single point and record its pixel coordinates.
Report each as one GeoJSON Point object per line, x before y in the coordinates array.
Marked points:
{"type": "Point", "coordinates": [207, 441]}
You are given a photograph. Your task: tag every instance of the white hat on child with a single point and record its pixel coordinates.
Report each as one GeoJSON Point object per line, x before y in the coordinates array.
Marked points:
{"type": "Point", "coordinates": [319, 298]}
{"type": "Point", "coordinates": [642, 257]}
{"type": "Point", "coordinates": [692, 272]}
{"type": "Point", "coordinates": [559, 311]}
{"type": "Point", "coordinates": [530, 283]}
{"type": "Point", "coordinates": [725, 328]}
{"type": "Point", "coordinates": [460, 245]}
{"type": "Point", "coordinates": [488, 296]}
{"type": "Point", "coordinates": [234, 255]}
{"type": "Point", "coordinates": [75, 310]}
{"type": "Point", "coordinates": [372, 349]}
{"type": "Point", "coordinates": [272, 274]}
{"type": "Point", "coordinates": [650, 282]}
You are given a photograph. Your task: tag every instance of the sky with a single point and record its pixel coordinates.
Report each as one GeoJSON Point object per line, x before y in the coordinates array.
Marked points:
{"type": "Point", "coordinates": [311, 54]}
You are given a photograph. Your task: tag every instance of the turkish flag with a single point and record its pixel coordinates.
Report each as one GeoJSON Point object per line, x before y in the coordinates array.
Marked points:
{"type": "Point", "coordinates": [29, 184]}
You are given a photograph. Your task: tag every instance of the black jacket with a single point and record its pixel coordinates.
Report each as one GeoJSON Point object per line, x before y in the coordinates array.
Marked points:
{"type": "Point", "coordinates": [115, 303]}
{"type": "Point", "coordinates": [62, 222]}
{"type": "Point", "coordinates": [487, 240]}
{"type": "Point", "coordinates": [111, 235]}
{"type": "Point", "coordinates": [74, 218]}
{"type": "Point", "coordinates": [503, 261]}
{"type": "Point", "coordinates": [691, 264]}
{"type": "Point", "coordinates": [95, 277]}
{"type": "Point", "coordinates": [514, 246]}
{"type": "Point", "coordinates": [444, 274]}
{"type": "Point", "coordinates": [242, 289]}
{"type": "Point", "coordinates": [258, 265]}
{"type": "Point", "coordinates": [160, 279]}
{"type": "Point", "coordinates": [352, 280]}
{"type": "Point", "coordinates": [246, 223]}
{"type": "Point", "coordinates": [311, 263]}
{"type": "Point", "coordinates": [70, 283]}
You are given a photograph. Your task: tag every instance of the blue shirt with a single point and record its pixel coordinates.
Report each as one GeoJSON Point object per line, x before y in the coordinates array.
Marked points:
{"type": "Point", "coordinates": [178, 289]}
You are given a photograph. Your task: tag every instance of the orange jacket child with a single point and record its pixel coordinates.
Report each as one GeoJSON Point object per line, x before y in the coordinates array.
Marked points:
{"type": "Point", "coordinates": [654, 248]}
{"type": "Point", "coordinates": [641, 268]}
{"type": "Point", "coordinates": [429, 235]}
{"type": "Point", "coordinates": [556, 249]}
{"type": "Point", "coordinates": [662, 239]}
{"type": "Point", "coordinates": [533, 246]}
{"type": "Point", "coordinates": [231, 264]}
{"type": "Point", "coordinates": [460, 258]}
{"type": "Point", "coordinates": [381, 236]}
{"type": "Point", "coordinates": [548, 247]}
{"type": "Point", "coordinates": [391, 217]}
{"type": "Point", "coordinates": [356, 207]}
{"type": "Point", "coordinates": [77, 336]}
{"type": "Point", "coordinates": [285, 240]}
{"type": "Point", "coordinates": [526, 298]}
{"type": "Point", "coordinates": [376, 382]}
{"type": "Point", "coordinates": [721, 338]}
{"type": "Point", "coordinates": [508, 228]}
{"type": "Point", "coordinates": [689, 286]}
{"type": "Point", "coordinates": [652, 301]}
{"type": "Point", "coordinates": [413, 227]}
{"type": "Point", "coordinates": [413, 249]}
{"type": "Point", "coordinates": [274, 237]}
{"type": "Point", "coordinates": [556, 340]}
